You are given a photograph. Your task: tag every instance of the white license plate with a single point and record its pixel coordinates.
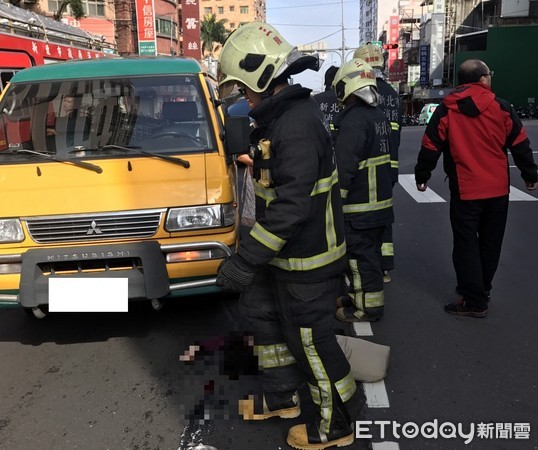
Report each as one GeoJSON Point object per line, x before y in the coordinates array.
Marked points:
{"type": "Point", "coordinates": [88, 294]}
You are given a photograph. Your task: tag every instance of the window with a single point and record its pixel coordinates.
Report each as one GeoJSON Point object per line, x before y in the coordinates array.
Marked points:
{"type": "Point", "coordinates": [54, 5]}
{"type": "Point", "coordinates": [208, 10]}
{"type": "Point", "coordinates": [220, 10]}
{"type": "Point", "coordinates": [243, 9]}
{"type": "Point", "coordinates": [232, 25]}
{"type": "Point", "coordinates": [94, 7]}
{"type": "Point", "coordinates": [232, 8]}
{"type": "Point", "coordinates": [166, 27]}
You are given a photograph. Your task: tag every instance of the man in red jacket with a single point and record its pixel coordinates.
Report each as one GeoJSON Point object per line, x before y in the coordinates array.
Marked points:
{"type": "Point", "coordinates": [474, 129]}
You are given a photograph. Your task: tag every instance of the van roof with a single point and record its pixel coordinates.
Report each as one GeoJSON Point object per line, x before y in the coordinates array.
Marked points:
{"type": "Point", "coordinates": [108, 67]}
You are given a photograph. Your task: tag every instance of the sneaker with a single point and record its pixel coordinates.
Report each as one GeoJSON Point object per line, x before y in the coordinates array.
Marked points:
{"type": "Point", "coordinates": [309, 437]}
{"type": "Point", "coordinates": [344, 300]}
{"type": "Point", "coordinates": [352, 314]}
{"type": "Point", "coordinates": [286, 408]}
{"type": "Point", "coordinates": [386, 276]}
{"type": "Point", "coordinates": [461, 308]}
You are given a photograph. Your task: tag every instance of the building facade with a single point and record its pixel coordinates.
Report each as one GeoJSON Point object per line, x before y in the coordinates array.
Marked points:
{"type": "Point", "coordinates": [235, 12]}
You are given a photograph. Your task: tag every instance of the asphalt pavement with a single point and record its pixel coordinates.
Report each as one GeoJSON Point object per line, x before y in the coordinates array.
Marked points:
{"type": "Point", "coordinates": [115, 381]}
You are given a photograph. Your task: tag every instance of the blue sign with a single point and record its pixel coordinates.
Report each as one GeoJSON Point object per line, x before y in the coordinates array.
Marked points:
{"type": "Point", "coordinates": [424, 65]}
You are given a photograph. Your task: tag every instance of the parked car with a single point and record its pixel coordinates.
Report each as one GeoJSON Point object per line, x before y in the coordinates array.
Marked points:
{"type": "Point", "coordinates": [426, 113]}
{"type": "Point", "coordinates": [136, 184]}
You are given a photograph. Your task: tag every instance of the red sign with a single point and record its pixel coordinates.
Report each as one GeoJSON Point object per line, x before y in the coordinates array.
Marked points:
{"type": "Point", "coordinates": [43, 52]}
{"type": "Point", "coordinates": [145, 21]}
{"type": "Point", "coordinates": [190, 10]}
{"type": "Point", "coordinates": [396, 70]}
{"type": "Point", "coordinates": [393, 38]}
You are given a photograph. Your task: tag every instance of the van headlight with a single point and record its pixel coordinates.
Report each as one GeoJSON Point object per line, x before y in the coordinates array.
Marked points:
{"type": "Point", "coordinates": [199, 217]}
{"type": "Point", "coordinates": [11, 230]}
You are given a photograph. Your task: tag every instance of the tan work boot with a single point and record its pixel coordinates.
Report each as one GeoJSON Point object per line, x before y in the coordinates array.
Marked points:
{"type": "Point", "coordinates": [288, 409]}
{"type": "Point", "coordinates": [309, 437]}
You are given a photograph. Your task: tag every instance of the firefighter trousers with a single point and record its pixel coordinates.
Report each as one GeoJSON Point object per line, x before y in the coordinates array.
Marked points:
{"type": "Point", "coordinates": [364, 270]}
{"type": "Point", "coordinates": [293, 325]}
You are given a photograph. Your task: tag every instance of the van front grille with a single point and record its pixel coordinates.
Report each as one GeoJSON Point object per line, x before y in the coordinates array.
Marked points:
{"type": "Point", "coordinates": [94, 227]}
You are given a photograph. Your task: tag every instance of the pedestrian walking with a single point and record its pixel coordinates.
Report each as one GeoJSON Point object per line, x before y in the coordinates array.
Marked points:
{"type": "Point", "coordinates": [389, 102]}
{"type": "Point", "coordinates": [363, 159]}
{"type": "Point", "coordinates": [473, 129]}
{"type": "Point", "coordinates": [290, 264]}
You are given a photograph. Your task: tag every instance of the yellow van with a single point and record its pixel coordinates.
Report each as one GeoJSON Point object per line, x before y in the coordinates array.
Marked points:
{"type": "Point", "coordinates": [113, 168]}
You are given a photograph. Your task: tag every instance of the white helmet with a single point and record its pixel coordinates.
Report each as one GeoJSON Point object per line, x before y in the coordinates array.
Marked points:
{"type": "Point", "coordinates": [356, 77]}
{"type": "Point", "coordinates": [372, 54]}
{"type": "Point", "coordinates": [255, 54]}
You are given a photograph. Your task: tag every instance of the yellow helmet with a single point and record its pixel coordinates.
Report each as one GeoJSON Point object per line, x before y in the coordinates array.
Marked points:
{"type": "Point", "coordinates": [372, 54]}
{"type": "Point", "coordinates": [255, 54]}
{"type": "Point", "coordinates": [353, 76]}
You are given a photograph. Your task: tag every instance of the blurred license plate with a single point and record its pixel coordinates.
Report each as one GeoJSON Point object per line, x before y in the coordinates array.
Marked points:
{"type": "Point", "coordinates": [88, 294]}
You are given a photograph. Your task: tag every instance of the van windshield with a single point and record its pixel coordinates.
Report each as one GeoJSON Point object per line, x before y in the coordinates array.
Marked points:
{"type": "Point", "coordinates": [162, 115]}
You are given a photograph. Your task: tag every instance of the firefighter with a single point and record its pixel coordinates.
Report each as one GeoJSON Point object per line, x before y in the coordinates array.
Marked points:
{"type": "Point", "coordinates": [291, 263]}
{"type": "Point", "coordinates": [389, 102]}
{"type": "Point", "coordinates": [363, 158]}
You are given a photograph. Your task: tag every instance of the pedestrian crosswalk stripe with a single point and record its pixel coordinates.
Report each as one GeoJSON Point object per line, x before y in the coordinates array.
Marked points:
{"type": "Point", "coordinates": [362, 329]}
{"type": "Point", "coordinates": [519, 196]}
{"type": "Point", "coordinates": [429, 196]}
{"type": "Point", "coordinates": [385, 445]}
{"type": "Point", "coordinates": [376, 394]}
{"type": "Point", "coordinates": [407, 182]}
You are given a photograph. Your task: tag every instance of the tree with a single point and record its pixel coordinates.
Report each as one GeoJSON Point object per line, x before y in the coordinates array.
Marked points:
{"type": "Point", "coordinates": [76, 8]}
{"type": "Point", "coordinates": [212, 33]}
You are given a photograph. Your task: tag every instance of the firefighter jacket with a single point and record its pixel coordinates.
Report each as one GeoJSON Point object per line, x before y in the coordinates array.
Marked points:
{"type": "Point", "coordinates": [474, 129]}
{"type": "Point", "coordinates": [390, 105]}
{"type": "Point", "coordinates": [299, 229]}
{"type": "Point", "coordinates": [329, 106]}
{"type": "Point", "coordinates": [363, 158]}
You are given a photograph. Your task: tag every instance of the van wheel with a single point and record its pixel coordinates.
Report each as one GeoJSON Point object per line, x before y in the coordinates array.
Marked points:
{"type": "Point", "coordinates": [37, 312]}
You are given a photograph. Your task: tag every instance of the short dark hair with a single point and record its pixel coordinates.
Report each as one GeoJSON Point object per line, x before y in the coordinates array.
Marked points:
{"type": "Point", "coordinates": [471, 71]}
{"type": "Point", "coordinates": [329, 76]}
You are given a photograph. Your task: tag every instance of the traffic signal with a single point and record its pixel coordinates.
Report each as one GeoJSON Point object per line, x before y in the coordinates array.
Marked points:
{"type": "Point", "coordinates": [390, 46]}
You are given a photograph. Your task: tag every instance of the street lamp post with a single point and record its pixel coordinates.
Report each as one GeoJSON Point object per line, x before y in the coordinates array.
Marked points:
{"type": "Point", "coordinates": [343, 35]}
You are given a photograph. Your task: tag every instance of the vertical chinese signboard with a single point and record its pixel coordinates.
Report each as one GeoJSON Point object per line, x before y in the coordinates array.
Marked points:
{"type": "Point", "coordinates": [393, 38]}
{"type": "Point", "coordinates": [145, 20]}
{"type": "Point", "coordinates": [190, 10]}
{"type": "Point", "coordinates": [424, 78]}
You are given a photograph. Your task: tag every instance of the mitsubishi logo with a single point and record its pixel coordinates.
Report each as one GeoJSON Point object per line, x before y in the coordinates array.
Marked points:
{"type": "Point", "coordinates": [94, 228]}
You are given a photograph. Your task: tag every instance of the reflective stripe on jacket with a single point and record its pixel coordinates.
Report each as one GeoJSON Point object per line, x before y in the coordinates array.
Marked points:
{"type": "Point", "coordinates": [364, 165]}
{"type": "Point", "coordinates": [299, 229]}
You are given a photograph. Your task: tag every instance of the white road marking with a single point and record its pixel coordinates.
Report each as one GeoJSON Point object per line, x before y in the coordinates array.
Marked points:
{"type": "Point", "coordinates": [363, 329]}
{"type": "Point", "coordinates": [429, 196]}
{"type": "Point", "coordinates": [519, 196]}
{"type": "Point", "coordinates": [376, 394]}
{"type": "Point", "coordinates": [385, 446]}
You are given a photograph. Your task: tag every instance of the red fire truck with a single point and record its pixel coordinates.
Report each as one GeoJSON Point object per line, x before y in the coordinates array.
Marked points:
{"type": "Point", "coordinates": [28, 39]}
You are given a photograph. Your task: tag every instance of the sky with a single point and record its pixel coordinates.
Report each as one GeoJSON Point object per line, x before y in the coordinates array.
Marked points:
{"type": "Point", "coordinates": [308, 21]}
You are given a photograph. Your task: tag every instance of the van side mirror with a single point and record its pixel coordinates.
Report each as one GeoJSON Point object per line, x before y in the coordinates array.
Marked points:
{"type": "Point", "coordinates": [236, 134]}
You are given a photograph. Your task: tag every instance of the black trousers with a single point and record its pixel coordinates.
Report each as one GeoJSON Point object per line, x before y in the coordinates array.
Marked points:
{"type": "Point", "coordinates": [364, 269]}
{"type": "Point", "coordinates": [387, 249]}
{"type": "Point", "coordinates": [301, 316]}
{"type": "Point", "coordinates": [478, 229]}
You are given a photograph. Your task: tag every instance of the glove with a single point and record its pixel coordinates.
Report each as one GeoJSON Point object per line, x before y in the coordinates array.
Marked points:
{"type": "Point", "coordinates": [235, 274]}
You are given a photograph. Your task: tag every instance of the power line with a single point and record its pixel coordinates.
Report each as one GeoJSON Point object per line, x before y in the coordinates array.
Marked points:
{"type": "Point", "coordinates": [309, 6]}
{"type": "Point", "coordinates": [302, 25]}
{"type": "Point", "coordinates": [321, 38]}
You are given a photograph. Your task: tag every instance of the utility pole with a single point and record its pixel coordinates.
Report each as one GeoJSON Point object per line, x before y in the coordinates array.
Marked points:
{"type": "Point", "coordinates": [343, 35]}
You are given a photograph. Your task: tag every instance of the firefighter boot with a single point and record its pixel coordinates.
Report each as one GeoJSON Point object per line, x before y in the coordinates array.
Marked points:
{"type": "Point", "coordinates": [273, 404]}
{"type": "Point", "coordinates": [310, 437]}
